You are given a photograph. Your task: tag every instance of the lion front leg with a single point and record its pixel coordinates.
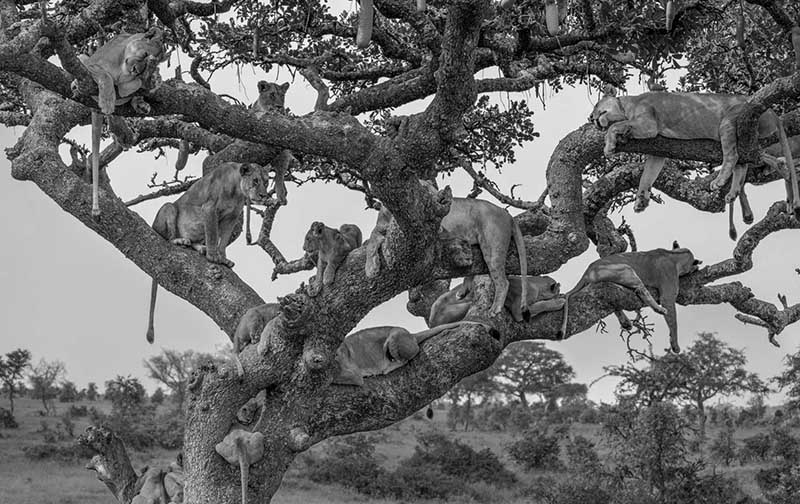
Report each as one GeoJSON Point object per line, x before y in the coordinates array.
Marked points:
{"type": "Point", "coordinates": [614, 133]}
{"type": "Point", "coordinates": [652, 168]}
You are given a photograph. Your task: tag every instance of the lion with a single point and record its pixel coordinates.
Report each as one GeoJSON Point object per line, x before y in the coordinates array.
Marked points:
{"type": "Point", "coordinates": [685, 116]}
{"type": "Point", "coordinates": [152, 490]}
{"type": "Point", "coordinates": [481, 223]}
{"type": "Point", "coordinates": [381, 350]}
{"type": "Point", "coordinates": [120, 67]}
{"type": "Point", "coordinates": [249, 329]}
{"type": "Point", "coordinates": [331, 247]}
{"type": "Point", "coordinates": [659, 268]}
{"type": "Point", "coordinates": [204, 216]}
{"type": "Point", "coordinates": [450, 308]}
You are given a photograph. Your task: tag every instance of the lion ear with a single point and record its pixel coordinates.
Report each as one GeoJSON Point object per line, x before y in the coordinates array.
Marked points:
{"type": "Point", "coordinates": [285, 86]}
{"type": "Point", "coordinates": [675, 245]}
{"type": "Point", "coordinates": [609, 90]}
{"type": "Point", "coordinates": [244, 168]}
{"type": "Point", "coordinates": [697, 262]}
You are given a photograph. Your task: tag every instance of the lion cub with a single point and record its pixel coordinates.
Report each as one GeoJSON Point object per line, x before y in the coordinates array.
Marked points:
{"type": "Point", "coordinates": [204, 217]}
{"type": "Point", "coordinates": [331, 246]}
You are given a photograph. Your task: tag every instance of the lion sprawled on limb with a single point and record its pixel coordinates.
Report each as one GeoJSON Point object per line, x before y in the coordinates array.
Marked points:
{"type": "Point", "coordinates": [688, 116]}
{"type": "Point", "coordinates": [659, 268]}
{"type": "Point", "coordinates": [381, 350]}
{"type": "Point", "coordinates": [120, 67]}
{"type": "Point", "coordinates": [449, 307]}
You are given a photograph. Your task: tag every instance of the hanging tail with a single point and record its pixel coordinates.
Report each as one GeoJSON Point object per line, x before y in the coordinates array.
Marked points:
{"type": "Point", "coordinates": [150, 331]}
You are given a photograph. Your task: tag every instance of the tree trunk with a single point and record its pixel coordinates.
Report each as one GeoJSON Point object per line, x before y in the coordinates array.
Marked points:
{"type": "Point", "coordinates": [11, 398]}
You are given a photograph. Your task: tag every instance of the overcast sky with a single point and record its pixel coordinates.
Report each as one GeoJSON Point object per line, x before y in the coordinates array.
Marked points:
{"type": "Point", "coordinates": [67, 294]}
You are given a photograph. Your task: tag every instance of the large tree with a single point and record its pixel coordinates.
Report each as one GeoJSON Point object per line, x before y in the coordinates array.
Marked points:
{"type": "Point", "coordinates": [530, 368]}
{"type": "Point", "coordinates": [709, 368]}
{"type": "Point", "coordinates": [436, 55]}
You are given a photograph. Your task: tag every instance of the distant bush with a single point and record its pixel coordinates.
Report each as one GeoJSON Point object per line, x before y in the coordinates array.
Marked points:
{"type": "Point", "coordinates": [349, 462]}
{"type": "Point", "coordinates": [582, 489]}
{"type": "Point", "coordinates": [755, 448]}
{"type": "Point", "coordinates": [581, 455]}
{"type": "Point", "coordinates": [78, 411]}
{"type": "Point", "coordinates": [62, 453]}
{"type": "Point", "coordinates": [458, 460]}
{"type": "Point", "coordinates": [781, 484]}
{"type": "Point", "coordinates": [723, 447]}
{"type": "Point", "coordinates": [784, 445]}
{"type": "Point", "coordinates": [536, 450]}
{"type": "Point", "coordinates": [7, 420]}
{"type": "Point", "coordinates": [438, 469]}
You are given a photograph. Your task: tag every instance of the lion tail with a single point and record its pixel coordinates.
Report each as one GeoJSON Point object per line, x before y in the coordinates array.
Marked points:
{"type": "Point", "coordinates": [523, 269]}
{"type": "Point", "coordinates": [793, 199]}
{"type": "Point", "coordinates": [150, 331]}
{"type": "Point", "coordinates": [731, 226]}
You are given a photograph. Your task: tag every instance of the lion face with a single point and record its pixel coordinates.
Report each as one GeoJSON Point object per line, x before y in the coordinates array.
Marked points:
{"type": "Point", "coordinates": [272, 95]}
{"type": "Point", "coordinates": [687, 263]}
{"type": "Point", "coordinates": [255, 182]}
{"type": "Point", "coordinates": [313, 236]}
{"type": "Point", "coordinates": [607, 111]}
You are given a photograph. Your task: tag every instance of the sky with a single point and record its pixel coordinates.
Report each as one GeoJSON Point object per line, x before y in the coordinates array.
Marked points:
{"type": "Point", "coordinates": [67, 294]}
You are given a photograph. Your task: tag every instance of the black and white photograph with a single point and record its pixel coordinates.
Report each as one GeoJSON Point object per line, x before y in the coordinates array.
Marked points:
{"type": "Point", "coordinates": [400, 252]}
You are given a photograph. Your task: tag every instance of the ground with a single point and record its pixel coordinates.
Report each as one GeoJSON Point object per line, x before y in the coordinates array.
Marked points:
{"type": "Point", "coordinates": [24, 481]}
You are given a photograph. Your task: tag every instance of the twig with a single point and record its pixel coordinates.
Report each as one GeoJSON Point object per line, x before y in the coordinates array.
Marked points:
{"type": "Point", "coordinates": [482, 181]}
{"type": "Point", "coordinates": [166, 191]}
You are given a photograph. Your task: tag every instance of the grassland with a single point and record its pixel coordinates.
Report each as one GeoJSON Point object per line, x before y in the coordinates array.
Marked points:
{"type": "Point", "coordinates": [25, 481]}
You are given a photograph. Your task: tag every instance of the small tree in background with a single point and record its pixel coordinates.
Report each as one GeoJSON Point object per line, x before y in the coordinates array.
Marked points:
{"type": "Point", "coordinates": [12, 368]}
{"type": "Point", "coordinates": [158, 396]}
{"type": "Point", "coordinates": [709, 368]}
{"type": "Point", "coordinates": [43, 378]}
{"type": "Point", "coordinates": [789, 381]}
{"type": "Point", "coordinates": [530, 368]}
{"type": "Point", "coordinates": [125, 393]}
{"type": "Point", "coordinates": [173, 369]}
{"type": "Point", "coordinates": [68, 392]}
{"type": "Point", "coordinates": [473, 389]}
{"type": "Point", "coordinates": [91, 391]}
{"type": "Point", "coordinates": [723, 448]}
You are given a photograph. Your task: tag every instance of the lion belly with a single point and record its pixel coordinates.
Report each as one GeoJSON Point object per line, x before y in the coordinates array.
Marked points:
{"type": "Point", "coordinates": [468, 218]}
{"type": "Point", "coordinates": [687, 116]}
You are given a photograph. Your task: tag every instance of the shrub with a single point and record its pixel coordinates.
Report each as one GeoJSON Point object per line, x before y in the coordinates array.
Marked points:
{"type": "Point", "coordinates": [77, 411]}
{"type": "Point", "coordinates": [7, 420]}
{"type": "Point", "coordinates": [755, 448]}
{"type": "Point", "coordinates": [780, 485]}
{"type": "Point", "coordinates": [62, 453]}
{"type": "Point", "coordinates": [458, 460]}
{"type": "Point", "coordinates": [411, 482]}
{"type": "Point", "coordinates": [536, 450]}
{"type": "Point", "coordinates": [576, 490]}
{"type": "Point", "coordinates": [785, 445]}
{"type": "Point", "coordinates": [157, 397]}
{"type": "Point", "coordinates": [581, 455]}
{"type": "Point", "coordinates": [350, 462]}
{"type": "Point", "coordinates": [723, 448]}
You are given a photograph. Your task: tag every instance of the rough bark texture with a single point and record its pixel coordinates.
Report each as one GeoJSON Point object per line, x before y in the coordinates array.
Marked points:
{"type": "Point", "coordinates": [293, 364]}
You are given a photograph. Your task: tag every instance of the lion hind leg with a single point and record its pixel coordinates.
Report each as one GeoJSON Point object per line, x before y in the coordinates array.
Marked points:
{"type": "Point", "coordinates": [730, 154]}
{"type": "Point", "coordinates": [625, 276]}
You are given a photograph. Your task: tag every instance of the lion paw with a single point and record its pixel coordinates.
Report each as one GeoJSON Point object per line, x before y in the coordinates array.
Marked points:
{"type": "Point", "coordinates": [183, 242]}
{"type": "Point", "coordinates": [660, 310]}
{"type": "Point", "coordinates": [140, 106]}
{"type": "Point", "coordinates": [642, 201]}
{"type": "Point", "coordinates": [718, 182]}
